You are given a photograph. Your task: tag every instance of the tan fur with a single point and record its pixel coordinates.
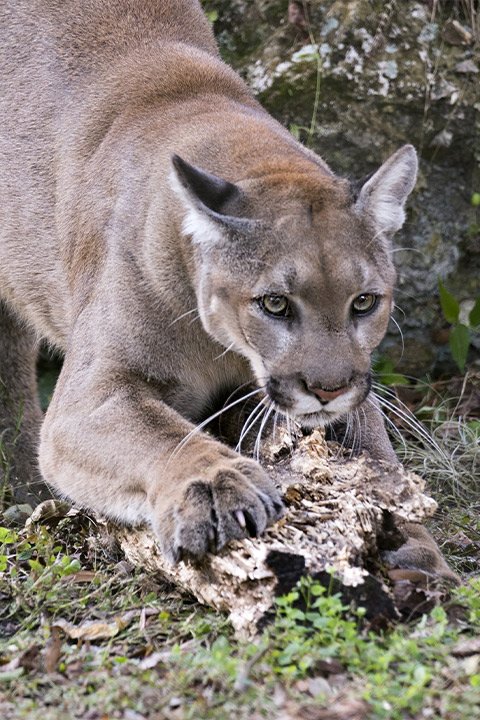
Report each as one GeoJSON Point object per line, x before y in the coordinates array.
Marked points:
{"type": "Point", "coordinates": [105, 246]}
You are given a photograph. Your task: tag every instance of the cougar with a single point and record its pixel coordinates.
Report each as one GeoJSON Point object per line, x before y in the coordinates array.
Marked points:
{"type": "Point", "coordinates": [176, 244]}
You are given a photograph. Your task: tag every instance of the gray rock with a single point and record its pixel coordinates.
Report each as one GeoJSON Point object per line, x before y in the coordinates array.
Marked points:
{"type": "Point", "coordinates": [387, 77]}
{"type": "Point", "coordinates": [16, 515]}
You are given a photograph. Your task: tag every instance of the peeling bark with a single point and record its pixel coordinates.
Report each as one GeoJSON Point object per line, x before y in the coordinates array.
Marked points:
{"type": "Point", "coordinates": [340, 514]}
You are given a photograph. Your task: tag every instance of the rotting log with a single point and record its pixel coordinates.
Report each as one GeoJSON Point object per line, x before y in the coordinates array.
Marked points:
{"type": "Point", "coordinates": [340, 514]}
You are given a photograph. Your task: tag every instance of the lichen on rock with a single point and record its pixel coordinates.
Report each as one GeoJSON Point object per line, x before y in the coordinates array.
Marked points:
{"type": "Point", "coordinates": [389, 73]}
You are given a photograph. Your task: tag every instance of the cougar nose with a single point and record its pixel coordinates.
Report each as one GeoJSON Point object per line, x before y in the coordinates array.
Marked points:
{"type": "Point", "coordinates": [326, 395]}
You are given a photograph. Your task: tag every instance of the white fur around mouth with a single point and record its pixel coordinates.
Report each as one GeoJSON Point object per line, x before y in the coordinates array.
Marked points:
{"type": "Point", "coordinates": [316, 419]}
{"type": "Point", "coordinates": [309, 406]}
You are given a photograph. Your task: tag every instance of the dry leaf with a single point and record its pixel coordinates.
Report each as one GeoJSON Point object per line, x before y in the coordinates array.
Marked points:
{"type": "Point", "coordinates": [467, 647]}
{"type": "Point", "coordinates": [26, 661]}
{"type": "Point", "coordinates": [95, 629]}
{"type": "Point", "coordinates": [48, 510]}
{"type": "Point", "coordinates": [342, 709]}
{"type": "Point", "coordinates": [53, 650]}
{"type": "Point", "coordinates": [83, 576]}
{"type": "Point", "coordinates": [455, 34]}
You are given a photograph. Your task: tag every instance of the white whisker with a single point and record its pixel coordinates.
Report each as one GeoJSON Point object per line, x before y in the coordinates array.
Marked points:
{"type": "Point", "coordinates": [364, 415]}
{"type": "Point", "coordinates": [289, 429]}
{"type": "Point", "coordinates": [390, 423]}
{"type": "Point", "coordinates": [189, 312]}
{"type": "Point", "coordinates": [401, 334]}
{"type": "Point", "coordinates": [372, 239]}
{"type": "Point", "coordinates": [253, 418]}
{"type": "Point", "coordinates": [355, 431]}
{"type": "Point", "coordinates": [409, 419]}
{"type": "Point", "coordinates": [346, 435]}
{"type": "Point", "coordinates": [197, 317]}
{"type": "Point", "coordinates": [259, 436]}
{"type": "Point", "coordinates": [230, 347]}
{"type": "Point", "coordinates": [275, 420]}
{"type": "Point", "coordinates": [334, 437]}
{"type": "Point", "coordinates": [203, 424]}
{"type": "Point", "coordinates": [397, 307]}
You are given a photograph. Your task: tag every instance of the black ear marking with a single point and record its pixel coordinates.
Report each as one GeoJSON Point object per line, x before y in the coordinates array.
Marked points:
{"type": "Point", "coordinates": [211, 191]}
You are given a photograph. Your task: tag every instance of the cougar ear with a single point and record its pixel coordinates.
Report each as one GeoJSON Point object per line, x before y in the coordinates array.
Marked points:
{"type": "Point", "coordinates": [209, 202]}
{"type": "Point", "coordinates": [383, 196]}
{"type": "Point", "coordinates": [207, 191]}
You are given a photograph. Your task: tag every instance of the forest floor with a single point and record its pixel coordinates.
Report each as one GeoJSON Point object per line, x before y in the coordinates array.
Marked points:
{"type": "Point", "coordinates": [83, 634]}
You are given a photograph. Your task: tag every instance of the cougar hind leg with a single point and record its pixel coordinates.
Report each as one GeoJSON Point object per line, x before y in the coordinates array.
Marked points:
{"type": "Point", "coordinates": [20, 413]}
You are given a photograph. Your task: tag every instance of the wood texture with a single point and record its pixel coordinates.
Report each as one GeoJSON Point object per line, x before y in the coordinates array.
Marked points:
{"type": "Point", "coordinates": [340, 514]}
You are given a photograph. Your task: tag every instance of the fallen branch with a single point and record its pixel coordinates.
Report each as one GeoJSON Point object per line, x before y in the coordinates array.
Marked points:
{"type": "Point", "coordinates": [340, 514]}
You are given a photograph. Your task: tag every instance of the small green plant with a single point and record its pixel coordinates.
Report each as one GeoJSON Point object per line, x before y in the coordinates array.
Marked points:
{"type": "Point", "coordinates": [37, 558]}
{"type": "Point", "coordinates": [468, 595]}
{"type": "Point", "coordinates": [313, 626]}
{"type": "Point", "coordinates": [462, 326]}
{"type": "Point", "coordinates": [397, 672]}
{"type": "Point", "coordinates": [7, 537]}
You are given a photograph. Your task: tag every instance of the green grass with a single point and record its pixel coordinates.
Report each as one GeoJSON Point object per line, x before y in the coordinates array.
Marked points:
{"type": "Point", "coordinates": [448, 457]}
{"type": "Point", "coordinates": [85, 635]}
{"type": "Point", "coordinates": [163, 655]}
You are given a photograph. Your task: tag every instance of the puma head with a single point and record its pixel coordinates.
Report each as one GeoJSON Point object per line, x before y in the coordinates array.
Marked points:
{"type": "Point", "coordinates": [293, 270]}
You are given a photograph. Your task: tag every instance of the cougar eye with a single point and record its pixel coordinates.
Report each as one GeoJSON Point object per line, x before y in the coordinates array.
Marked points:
{"type": "Point", "coordinates": [364, 303]}
{"type": "Point", "coordinates": [275, 305]}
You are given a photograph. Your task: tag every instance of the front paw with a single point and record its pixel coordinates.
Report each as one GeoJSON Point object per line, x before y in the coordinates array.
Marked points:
{"type": "Point", "coordinates": [235, 500]}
